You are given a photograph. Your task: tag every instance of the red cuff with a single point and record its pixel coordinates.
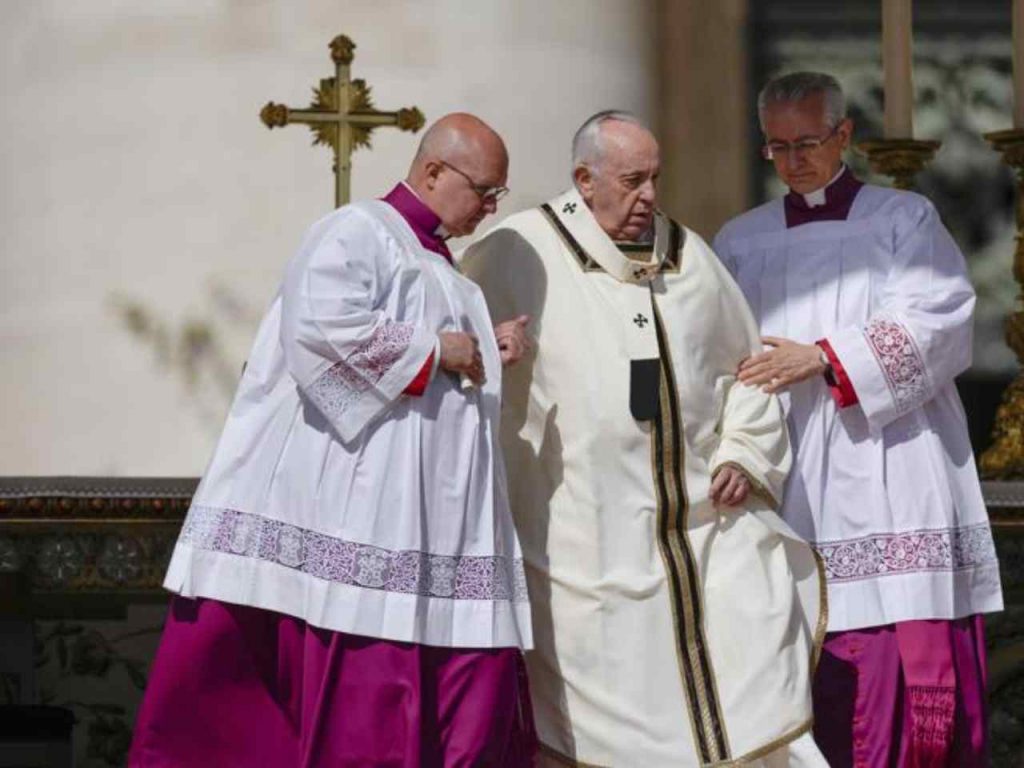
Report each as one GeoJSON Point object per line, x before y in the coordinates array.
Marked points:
{"type": "Point", "coordinates": [419, 384]}
{"type": "Point", "coordinates": [839, 383]}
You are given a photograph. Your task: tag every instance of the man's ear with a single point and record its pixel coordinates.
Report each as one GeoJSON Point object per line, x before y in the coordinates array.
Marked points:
{"type": "Point", "coordinates": [584, 179]}
{"type": "Point", "coordinates": [432, 170]}
{"type": "Point", "coordinates": [846, 132]}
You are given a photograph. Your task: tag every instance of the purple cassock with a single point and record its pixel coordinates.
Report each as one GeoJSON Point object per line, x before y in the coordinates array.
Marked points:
{"type": "Point", "coordinates": [910, 693]}
{"type": "Point", "coordinates": [235, 685]}
{"type": "Point", "coordinates": [836, 206]}
{"type": "Point", "coordinates": [424, 222]}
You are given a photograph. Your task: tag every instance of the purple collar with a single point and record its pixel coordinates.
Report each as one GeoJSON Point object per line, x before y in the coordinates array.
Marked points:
{"type": "Point", "coordinates": [839, 197]}
{"type": "Point", "coordinates": [424, 222]}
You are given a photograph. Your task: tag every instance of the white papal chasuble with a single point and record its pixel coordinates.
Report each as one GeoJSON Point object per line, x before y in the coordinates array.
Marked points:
{"type": "Point", "coordinates": [334, 497]}
{"type": "Point", "coordinates": [667, 632]}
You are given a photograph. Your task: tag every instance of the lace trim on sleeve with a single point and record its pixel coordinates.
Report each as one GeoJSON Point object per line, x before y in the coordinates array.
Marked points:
{"type": "Point", "coordinates": [900, 360]}
{"type": "Point", "coordinates": [337, 388]}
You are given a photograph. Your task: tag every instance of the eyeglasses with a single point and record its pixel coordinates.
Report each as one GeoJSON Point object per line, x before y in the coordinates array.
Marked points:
{"type": "Point", "coordinates": [485, 193]}
{"type": "Point", "coordinates": [800, 148]}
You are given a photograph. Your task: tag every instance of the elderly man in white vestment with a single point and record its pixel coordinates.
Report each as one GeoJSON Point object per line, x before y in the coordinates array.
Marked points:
{"type": "Point", "coordinates": [864, 299]}
{"type": "Point", "coordinates": [676, 617]}
{"type": "Point", "coordinates": [350, 589]}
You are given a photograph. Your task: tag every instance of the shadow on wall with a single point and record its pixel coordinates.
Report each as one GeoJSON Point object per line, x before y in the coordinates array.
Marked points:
{"type": "Point", "coordinates": [194, 351]}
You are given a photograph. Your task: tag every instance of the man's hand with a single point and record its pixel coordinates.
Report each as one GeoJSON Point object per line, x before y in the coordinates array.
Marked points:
{"type": "Point", "coordinates": [513, 342]}
{"type": "Point", "coordinates": [785, 364]}
{"type": "Point", "coordinates": [460, 354]}
{"type": "Point", "coordinates": [729, 488]}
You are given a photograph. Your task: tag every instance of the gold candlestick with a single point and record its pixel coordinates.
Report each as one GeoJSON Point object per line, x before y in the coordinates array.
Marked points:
{"type": "Point", "coordinates": [1004, 459]}
{"type": "Point", "coordinates": [899, 159]}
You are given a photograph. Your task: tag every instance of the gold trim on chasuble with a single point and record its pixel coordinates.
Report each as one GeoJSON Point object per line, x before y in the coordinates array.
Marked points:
{"type": "Point", "coordinates": [699, 686]}
{"type": "Point", "coordinates": [684, 582]}
{"type": "Point", "coordinates": [629, 250]}
{"type": "Point", "coordinates": [640, 252]}
{"type": "Point", "coordinates": [822, 628]}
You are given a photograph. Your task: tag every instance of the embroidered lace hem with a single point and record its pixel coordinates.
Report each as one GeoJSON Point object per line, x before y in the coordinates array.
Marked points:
{"type": "Point", "coordinates": [914, 551]}
{"type": "Point", "coordinates": [333, 559]}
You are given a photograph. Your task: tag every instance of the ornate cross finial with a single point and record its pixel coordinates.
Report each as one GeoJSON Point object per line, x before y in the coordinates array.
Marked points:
{"type": "Point", "coordinates": [343, 50]}
{"type": "Point", "coordinates": [342, 115]}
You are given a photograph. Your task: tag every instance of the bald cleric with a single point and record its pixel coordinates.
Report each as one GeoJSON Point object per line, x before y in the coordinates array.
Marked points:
{"type": "Point", "coordinates": [350, 588]}
{"type": "Point", "coordinates": [676, 617]}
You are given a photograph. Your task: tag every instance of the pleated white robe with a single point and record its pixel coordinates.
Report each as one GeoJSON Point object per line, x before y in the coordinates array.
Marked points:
{"type": "Point", "coordinates": [886, 489]}
{"type": "Point", "coordinates": [667, 632]}
{"type": "Point", "coordinates": [333, 497]}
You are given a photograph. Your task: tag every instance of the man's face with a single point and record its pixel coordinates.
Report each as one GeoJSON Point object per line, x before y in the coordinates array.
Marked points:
{"type": "Point", "coordinates": [805, 169]}
{"type": "Point", "coordinates": [461, 187]}
{"type": "Point", "coordinates": [621, 192]}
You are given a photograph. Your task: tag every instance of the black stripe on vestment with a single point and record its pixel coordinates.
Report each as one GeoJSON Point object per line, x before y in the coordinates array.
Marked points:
{"type": "Point", "coordinates": [675, 242]}
{"type": "Point", "coordinates": [581, 255]}
{"type": "Point", "coordinates": [676, 589]}
{"type": "Point", "coordinates": [673, 423]}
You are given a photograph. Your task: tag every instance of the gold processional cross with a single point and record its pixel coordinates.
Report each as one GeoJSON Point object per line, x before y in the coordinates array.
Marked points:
{"type": "Point", "coordinates": [341, 116]}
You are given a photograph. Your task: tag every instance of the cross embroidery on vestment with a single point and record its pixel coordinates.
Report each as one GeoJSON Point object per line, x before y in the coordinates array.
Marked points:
{"type": "Point", "coordinates": [640, 320]}
{"type": "Point", "coordinates": [569, 208]}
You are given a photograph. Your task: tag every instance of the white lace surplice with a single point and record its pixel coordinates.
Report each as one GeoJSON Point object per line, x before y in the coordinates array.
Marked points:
{"type": "Point", "coordinates": [886, 489]}
{"type": "Point", "coordinates": [335, 498]}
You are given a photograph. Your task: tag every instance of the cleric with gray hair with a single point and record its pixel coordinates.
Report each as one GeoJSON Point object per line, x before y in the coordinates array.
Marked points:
{"type": "Point", "coordinates": [867, 311]}
{"type": "Point", "coordinates": [639, 334]}
{"type": "Point", "coordinates": [798, 86]}
{"type": "Point", "coordinates": [615, 166]}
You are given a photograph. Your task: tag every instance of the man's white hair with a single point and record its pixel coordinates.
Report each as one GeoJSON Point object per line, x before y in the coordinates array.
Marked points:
{"type": "Point", "coordinates": [798, 86]}
{"type": "Point", "coordinates": [586, 144]}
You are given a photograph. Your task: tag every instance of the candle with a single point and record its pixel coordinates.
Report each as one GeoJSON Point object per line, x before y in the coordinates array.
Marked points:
{"type": "Point", "coordinates": [1018, 64]}
{"type": "Point", "coordinates": [896, 66]}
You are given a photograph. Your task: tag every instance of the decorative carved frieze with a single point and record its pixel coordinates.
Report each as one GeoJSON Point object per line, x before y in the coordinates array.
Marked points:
{"type": "Point", "coordinates": [90, 535]}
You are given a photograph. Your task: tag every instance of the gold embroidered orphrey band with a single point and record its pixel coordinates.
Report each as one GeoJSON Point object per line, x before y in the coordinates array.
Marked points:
{"type": "Point", "coordinates": [697, 675]}
{"type": "Point", "coordinates": [684, 585]}
{"type": "Point", "coordinates": [589, 264]}
{"type": "Point", "coordinates": [699, 685]}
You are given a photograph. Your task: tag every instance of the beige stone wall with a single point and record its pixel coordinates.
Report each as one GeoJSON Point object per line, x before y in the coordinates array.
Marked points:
{"type": "Point", "coordinates": [704, 111]}
{"type": "Point", "coordinates": [133, 165]}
